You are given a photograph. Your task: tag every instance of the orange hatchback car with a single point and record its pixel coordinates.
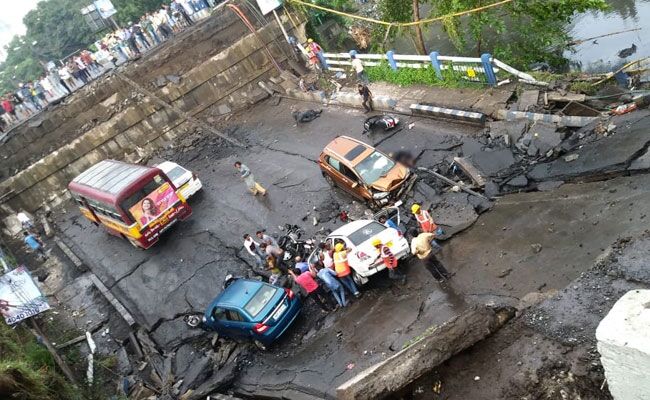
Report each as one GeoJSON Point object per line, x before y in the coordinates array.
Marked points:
{"type": "Point", "coordinates": [363, 171]}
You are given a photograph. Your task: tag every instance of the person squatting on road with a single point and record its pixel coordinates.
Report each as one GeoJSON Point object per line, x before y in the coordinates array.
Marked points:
{"type": "Point", "coordinates": [421, 246]}
{"type": "Point", "coordinates": [343, 270]}
{"type": "Point", "coordinates": [264, 238]}
{"type": "Point", "coordinates": [366, 96]}
{"type": "Point", "coordinates": [389, 260]}
{"type": "Point", "coordinates": [308, 283]}
{"type": "Point", "coordinates": [249, 179]}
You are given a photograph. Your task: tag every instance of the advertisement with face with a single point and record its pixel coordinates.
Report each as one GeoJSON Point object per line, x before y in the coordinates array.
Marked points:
{"type": "Point", "coordinates": [154, 204]}
{"type": "Point", "coordinates": [19, 296]}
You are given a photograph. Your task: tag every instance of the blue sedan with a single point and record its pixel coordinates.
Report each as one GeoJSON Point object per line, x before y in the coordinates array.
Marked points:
{"type": "Point", "coordinates": [252, 309]}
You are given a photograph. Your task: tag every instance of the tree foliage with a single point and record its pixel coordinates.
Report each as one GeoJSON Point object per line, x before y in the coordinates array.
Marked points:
{"type": "Point", "coordinates": [520, 32]}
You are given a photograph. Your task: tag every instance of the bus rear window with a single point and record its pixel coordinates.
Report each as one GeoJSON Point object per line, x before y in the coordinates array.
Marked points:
{"type": "Point", "coordinates": [148, 203]}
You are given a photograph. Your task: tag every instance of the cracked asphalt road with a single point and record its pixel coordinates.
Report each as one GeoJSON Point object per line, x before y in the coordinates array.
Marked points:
{"type": "Point", "coordinates": [185, 270]}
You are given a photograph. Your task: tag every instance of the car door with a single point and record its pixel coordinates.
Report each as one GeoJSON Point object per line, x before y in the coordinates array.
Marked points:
{"type": "Point", "coordinates": [233, 323]}
{"type": "Point", "coordinates": [342, 175]}
{"type": "Point", "coordinates": [357, 187]}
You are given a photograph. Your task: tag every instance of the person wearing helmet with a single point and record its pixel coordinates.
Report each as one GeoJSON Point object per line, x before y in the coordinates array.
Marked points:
{"type": "Point", "coordinates": [424, 219]}
{"type": "Point", "coordinates": [389, 260]}
{"type": "Point", "coordinates": [343, 270]}
{"type": "Point", "coordinates": [315, 48]}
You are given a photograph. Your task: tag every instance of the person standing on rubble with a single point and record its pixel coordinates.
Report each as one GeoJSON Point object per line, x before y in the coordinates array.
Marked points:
{"type": "Point", "coordinates": [366, 97]}
{"type": "Point", "coordinates": [389, 260]}
{"type": "Point", "coordinates": [318, 52]}
{"type": "Point", "coordinates": [422, 248]}
{"type": "Point", "coordinates": [249, 179]}
{"type": "Point", "coordinates": [343, 270]}
{"type": "Point", "coordinates": [425, 221]}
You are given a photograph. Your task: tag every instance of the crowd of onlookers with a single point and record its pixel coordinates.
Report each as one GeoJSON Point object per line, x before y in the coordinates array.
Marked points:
{"type": "Point", "coordinates": [113, 49]}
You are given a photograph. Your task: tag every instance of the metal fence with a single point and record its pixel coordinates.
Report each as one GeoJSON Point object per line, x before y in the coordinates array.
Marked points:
{"type": "Point", "coordinates": [484, 69]}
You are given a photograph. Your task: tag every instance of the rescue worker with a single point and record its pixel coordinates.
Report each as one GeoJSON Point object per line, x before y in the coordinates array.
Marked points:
{"type": "Point", "coordinates": [422, 247]}
{"type": "Point", "coordinates": [318, 53]}
{"type": "Point", "coordinates": [343, 270]}
{"type": "Point", "coordinates": [389, 260]}
{"type": "Point", "coordinates": [424, 219]}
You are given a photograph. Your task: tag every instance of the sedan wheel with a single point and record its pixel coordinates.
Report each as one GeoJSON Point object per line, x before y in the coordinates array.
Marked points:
{"type": "Point", "coordinates": [259, 345]}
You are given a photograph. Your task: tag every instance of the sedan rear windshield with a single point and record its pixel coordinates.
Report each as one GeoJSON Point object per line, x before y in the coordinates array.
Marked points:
{"type": "Point", "coordinates": [176, 173]}
{"type": "Point", "coordinates": [366, 233]}
{"type": "Point", "coordinates": [373, 167]}
{"type": "Point", "coordinates": [260, 300]}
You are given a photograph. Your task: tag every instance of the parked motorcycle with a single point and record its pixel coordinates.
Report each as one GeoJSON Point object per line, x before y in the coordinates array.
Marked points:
{"type": "Point", "coordinates": [293, 245]}
{"type": "Point", "coordinates": [385, 122]}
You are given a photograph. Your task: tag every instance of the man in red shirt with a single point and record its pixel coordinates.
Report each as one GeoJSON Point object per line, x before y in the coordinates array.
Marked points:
{"type": "Point", "coordinates": [308, 283]}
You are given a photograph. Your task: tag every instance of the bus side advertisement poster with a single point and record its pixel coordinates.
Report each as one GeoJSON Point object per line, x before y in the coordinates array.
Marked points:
{"type": "Point", "coordinates": [20, 298]}
{"type": "Point", "coordinates": [154, 205]}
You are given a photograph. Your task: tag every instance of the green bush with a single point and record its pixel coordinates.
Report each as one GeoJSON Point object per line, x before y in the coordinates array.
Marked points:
{"type": "Point", "coordinates": [418, 76]}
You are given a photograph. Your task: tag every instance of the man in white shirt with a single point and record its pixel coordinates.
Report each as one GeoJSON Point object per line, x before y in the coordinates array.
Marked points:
{"type": "Point", "coordinates": [252, 247]}
{"type": "Point", "coordinates": [357, 64]}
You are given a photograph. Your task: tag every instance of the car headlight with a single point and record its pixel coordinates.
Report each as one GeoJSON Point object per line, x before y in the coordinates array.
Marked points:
{"type": "Point", "coordinates": [380, 195]}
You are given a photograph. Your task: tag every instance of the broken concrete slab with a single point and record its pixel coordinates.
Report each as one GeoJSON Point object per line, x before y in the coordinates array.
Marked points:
{"type": "Point", "coordinates": [544, 136]}
{"type": "Point", "coordinates": [518, 181]}
{"type": "Point", "coordinates": [566, 97]}
{"type": "Point", "coordinates": [514, 129]}
{"type": "Point", "coordinates": [608, 155]}
{"type": "Point", "coordinates": [641, 163]}
{"type": "Point", "coordinates": [579, 110]}
{"type": "Point", "coordinates": [470, 170]}
{"type": "Point", "coordinates": [491, 162]}
{"type": "Point", "coordinates": [197, 373]}
{"type": "Point", "coordinates": [171, 334]}
{"type": "Point", "coordinates": [426, 353]}
{"type": "Point", "coordinates": [455, 212]}
{"type": "Point", "coordinates": [528, 100]}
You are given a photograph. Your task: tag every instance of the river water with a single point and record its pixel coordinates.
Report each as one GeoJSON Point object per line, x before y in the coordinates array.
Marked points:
{"type": "Point", "coordinates": [597, 55]}
{"type": "Point", "coordinates": [601, 54]}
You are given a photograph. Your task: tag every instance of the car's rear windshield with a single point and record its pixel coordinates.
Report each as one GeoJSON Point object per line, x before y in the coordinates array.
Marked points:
{"type": "Point", "coordinates": [373, 167]}
{"type": "Point", "coordinates": [260, 300]}
{"type": "Point", "coordinates": [176, 173]}
{"type": "Point", "coordinates": [365, 233]}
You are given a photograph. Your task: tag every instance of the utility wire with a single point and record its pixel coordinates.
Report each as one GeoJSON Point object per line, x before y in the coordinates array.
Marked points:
{"type": "Point", "coordinates": [401, 24]}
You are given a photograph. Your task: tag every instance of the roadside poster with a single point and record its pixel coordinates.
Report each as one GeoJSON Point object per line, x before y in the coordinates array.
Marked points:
{"type": "Point", "coordinates": [20, 298]}
{"type": "Point", "coordinates": [154, 204]}
{"type": "Point", "coordinates": [105, 8]}
{"type": "Point", "coordinates": [266, 6]}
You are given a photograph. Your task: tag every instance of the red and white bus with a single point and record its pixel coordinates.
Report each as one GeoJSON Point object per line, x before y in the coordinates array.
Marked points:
{"type": "Point", "coordinates": [133, 201]}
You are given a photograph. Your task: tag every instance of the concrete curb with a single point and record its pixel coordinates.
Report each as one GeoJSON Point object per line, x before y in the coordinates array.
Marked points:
{"type": "Point", "coordinates": [389, 104]}
{"type": "Point", "coordinates": [570, 121]}
{"type": "Point", "coordinates": [448, 113]}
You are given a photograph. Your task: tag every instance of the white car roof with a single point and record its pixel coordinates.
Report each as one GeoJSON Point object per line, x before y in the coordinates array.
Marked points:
{"type": "Point", "coordinates": [167, 166]}
{"type": "Point", "coordinates": [351, 227]}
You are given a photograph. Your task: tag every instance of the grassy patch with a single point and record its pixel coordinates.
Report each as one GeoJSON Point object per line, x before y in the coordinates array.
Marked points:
{"type": "Point", "coordinates": [421, 76]}
{"type": "Point", "coordinates": [27, 370]}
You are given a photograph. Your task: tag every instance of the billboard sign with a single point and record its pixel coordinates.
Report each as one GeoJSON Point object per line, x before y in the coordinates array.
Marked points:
{"type": "Point", "coordinates": [105, 7]}
{"type": "Point", "coordinates": [154, 204]}
{"type": "Point", "coordinates": [20, 298]}
{"type": "Point", "coordinates": [268, 5]}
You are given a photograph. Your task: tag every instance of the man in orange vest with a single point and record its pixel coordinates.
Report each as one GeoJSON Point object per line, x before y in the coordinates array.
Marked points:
{"type": "Point", "coordinates": [343, 270]}
{"type": "Point", "coordinates": [425, 221]}
{"type": "Point", "coordinates": [389, 260]}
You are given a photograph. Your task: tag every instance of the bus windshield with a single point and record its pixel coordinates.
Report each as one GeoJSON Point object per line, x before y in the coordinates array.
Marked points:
{"type": "Point", "coordinates": [150, 201]}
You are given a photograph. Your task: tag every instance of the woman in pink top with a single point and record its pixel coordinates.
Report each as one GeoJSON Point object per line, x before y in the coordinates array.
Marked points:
{"type": "Point", "coordinates": [308, 283]}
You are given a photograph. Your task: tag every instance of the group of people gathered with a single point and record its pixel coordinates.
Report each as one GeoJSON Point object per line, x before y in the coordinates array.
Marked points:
{"type": "Point", "coordinates": [328, 280]}
{"type": "Point", "coordinates": [114, 48]}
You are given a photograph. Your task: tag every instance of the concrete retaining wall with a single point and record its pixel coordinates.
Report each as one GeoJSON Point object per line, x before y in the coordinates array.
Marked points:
{"type": "Point", "coordinates": [229, 78]}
